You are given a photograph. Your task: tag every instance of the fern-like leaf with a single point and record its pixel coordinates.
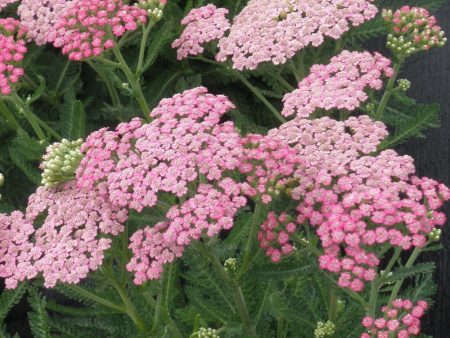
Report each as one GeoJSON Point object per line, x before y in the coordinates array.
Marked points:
{"type": "Point", "coordinates": [38, 318]}
{"type": "Point", "coordinates": [9, 298]}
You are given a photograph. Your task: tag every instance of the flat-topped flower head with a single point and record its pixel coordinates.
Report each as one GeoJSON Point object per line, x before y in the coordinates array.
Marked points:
{"type": "Point", "coordinates": [203, 25]}
{"type": "Point", "coordinates": [341, 84]}
{"type": "Point", "coordinates": [60, 162]}
{"type": "Point", "coordinates": [275, 30]}
{"type": "Point", "coordinates": [185, 139]}
{"type": "Point", "coordinates": [400, 319]}
{"type": "Point", "coordinates": [39, 17]}
{"type": "Point", "coordinates": [377, 201]}
{"type": "Point", "coordinates": [411, 30]}
{"type": "Point", "coordinates": [87, 28]}
{"type": "Point", "coordinates": [12, 52]}
{"type": "Point", "coordinates": [207, 213]}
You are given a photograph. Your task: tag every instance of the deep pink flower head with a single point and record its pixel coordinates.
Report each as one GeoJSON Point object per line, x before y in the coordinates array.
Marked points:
{"type": "Point", "coordinates": [87, 28]}
{"type": "Point", "coordinates": [377, 201]}
{"type": "Point", "coordinates": [341, 84]}
{"type": "Point", "coordinates": [274, 236]}
{"type": "Point", "coordinates": [275, 30]}
{"type": "Point", "coordinates": [206, 213]}
{"type": "Point", "coordinates": [40, 17]}
{"type": "Point", "coordinates": [400, 319]}
{"type": "Point", "coordinates": [70, 236]}
{"type": "Point", "coordinates": [185, 139]}
{"type": "Point", "coordinates": [204, 24]}
{"type": "Point", "coordinates": [12, 51]}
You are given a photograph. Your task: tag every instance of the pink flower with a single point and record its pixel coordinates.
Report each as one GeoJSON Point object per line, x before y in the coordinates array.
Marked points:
{"type": "Point", "coordinates": [203, 25]}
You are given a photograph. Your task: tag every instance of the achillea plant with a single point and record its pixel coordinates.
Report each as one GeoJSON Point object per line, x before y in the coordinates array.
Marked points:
{"type": "Point", "coordinates": [213, 215]}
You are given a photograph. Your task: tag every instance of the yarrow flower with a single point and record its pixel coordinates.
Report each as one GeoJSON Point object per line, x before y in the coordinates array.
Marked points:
{"type": "Point", "coordinates": [329, 145]}
{"type": "Point", "coordinates": [154, 8]}
{"type": "Point", "coordinates": [60, 162]}
{"type": "Point", "coordinates": [204, 332]}
{"type": "Point", "coordinates": [12, 51]}
{"type": "Point", "coordinates": [185, 139]}
{"type": "Point", "coordinates": [400, 319]}
{"type": "Point", "coordinates": [207, 213]}
{"type": "Point", "coordinates": [70, 242]}
{"type": "Point", "coordinates": [341, 84]}
{"type": "Point", "coordinates": [275, 30]}
{"type": "Point", "coordinates": [324, 329]}
{"type": "Point", "coordinates": [412, 29]}
{"type": "Point", "coordinates": [377, 201]}
{"type": "Point", "coordinates": [204, 24]}
{"type": "Point", "coordinates": [274, 236]}
{"type": "Point", "coordinates": [39, 17]}
{"type": "Point", "coordinates": [86, 28]}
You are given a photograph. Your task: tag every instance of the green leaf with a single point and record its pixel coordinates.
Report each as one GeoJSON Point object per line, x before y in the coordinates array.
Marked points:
{"type": "Point", "coordinates": [73, 116]}
{"type": "Point", "coordinates": [418, 269]}
{"type": "Point", "coordinates": [38, 318]}
{"type": "Point", "coordinates": [9, 298]}
{"type": "Point", "coordinates": [163, 35]}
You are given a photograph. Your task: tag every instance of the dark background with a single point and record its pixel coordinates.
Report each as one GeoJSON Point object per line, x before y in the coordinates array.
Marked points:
{"type": "Point", "coordinates": [430, 77]}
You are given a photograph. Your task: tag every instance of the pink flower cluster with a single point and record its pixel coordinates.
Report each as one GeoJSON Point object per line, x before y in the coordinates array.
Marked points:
{"type": "Point", "coordinates": [39, 17]}
{"type": "Point", "coordinates": [377, 201]}
{"type": "Point", "coordinates": [70, 242]}
{"type": "Point", "coordinates": [275, 30]}
{"type": "Point", "coordinates": [401, 320]}
{"type": "Point", "coordinates": [274, 236]}
{"type": "Point", "coordinates": [204, 24]}
{"type": "Point", "coordinates": [207, 213]}
{"type": "Point", "coordinates": [330, 145]}
{"type": "Point", "coordinates": [185, 139]}
{"type": "Point", "coordinates": [339, 85]}
{"type": "Point", "coordinates": [413, 29]}
{"type": "Point", "coordinates": [12, 51]}
{"type": "Point", "coordinates": [87, 28]}
{"type": "Point", "coordinates": [268, 164]}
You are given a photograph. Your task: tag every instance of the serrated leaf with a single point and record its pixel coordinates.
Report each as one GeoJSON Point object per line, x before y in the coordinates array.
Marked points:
{"type": "Point", "coordinates": [418, 269]}
{"type": "Point", "coordinates": [38, 318]}
{"type": "Point", "coordinates": [9, 298]}
{"type": "Point", "coordinates": [163, 35]}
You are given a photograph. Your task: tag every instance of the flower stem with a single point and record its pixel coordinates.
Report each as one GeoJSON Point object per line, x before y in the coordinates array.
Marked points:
{"type": "Point", "coordinates": [388, 92]}
{"type": "Point", "coordinates": [96, 298]}
{"type": "Point", "coordinates": [115, 100]}
{"type": "Point", "coordinates": [134, 83]}
{"type": "Point", "coordinates": [22, 108]}
{"type": "Point", "coordinates": [9, 116]}
{"type": "Point", "coordinates": [140, 64]}
{"type": "Point", "coordinates": [129, 308]}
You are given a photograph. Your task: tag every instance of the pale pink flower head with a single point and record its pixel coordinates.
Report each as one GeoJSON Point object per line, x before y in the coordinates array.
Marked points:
{"type": "Point", "coordinates": [12, 52]}
{"type": "Point", "coordinates": [275, 30]}
{"type": "Point", "coordinates": [203, 25]}
{"type": "Point", "coordinates": [40, 17]}
{"type": "Point", "coordinates": [207, 213]}
{"type": "Point", "coordinates": [86, 28]}
{"type": "Point", "coordinates": [341, 84]}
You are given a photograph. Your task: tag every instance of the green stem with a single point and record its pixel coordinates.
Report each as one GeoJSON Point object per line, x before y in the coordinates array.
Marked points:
{"type": "Point", "coordinates": [399, 283]}
{"type": "Point", "coordinates": [388, 92]}
{"type": "Point", "coordinates": [248, 251]}
{"type": "Point", "coordinates": [332, 311]}
{"type": "Point", "coordinates": [282, 81]}
{"type": "Point", "coordinates": [21, 107]}
{"type": "Point", "coordinates": [140, 64]}
{"type": "Point", "coordinates": [9, 116]}
{"type": "Point", "coordinates": [115, 99]}
{"type": "Point", "coordinates": [96, 298]}
{"type": "Point", "coordinates": [62, 76]}
{"type": "Point", "coordinates": [238, 296]}
{"type": "Point", "coordinates": [129, 307]}
{"type": "Point", "coordinates": [134, 83]}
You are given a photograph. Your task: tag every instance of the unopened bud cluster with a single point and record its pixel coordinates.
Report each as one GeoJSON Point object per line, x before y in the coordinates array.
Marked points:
{"type": "Point", "coordinates": [154, 8]}
{"type": "Point", "coordinates": [324, 329]}
{"type": "Point", "coordinates": [435, 234]}
{"type": "Point", "coordinates": [60, 162]}
{"type": "Point", "coordinates": [230, 266]}
{"type": "Point", "coordinates": [411, 30]}
{"type": "Point", "coordinates": [404, 85]}
{"type": "Point", "coordinates": [207, 333]}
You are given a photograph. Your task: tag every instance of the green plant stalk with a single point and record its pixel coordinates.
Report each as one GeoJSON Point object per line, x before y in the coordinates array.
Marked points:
{"type": "Point", "coordinates": [134, 83]}
{"type": "Point", "coordinates": [140, 64]}
{"type": "Point", "coordinates": [159, 304]}
{"type": "Point", "coordinates": [96, 298]}
{"type": "Point", "coordinates": [248, 251]}
{"type": "Point", "coordinates": [333, 307]}
{"type": "Point", "coordinates": [115, 99]}
{"type": "Point", "coordinates": [238, 296]}
{"type": "Point", "coordinates": [62, 76]}
{"type": "Point", "coordinates": [414, 255]}
{"type": "Point", "coordinates": [21, 107]}
{"type": "Point", "coordinates": [9, 116]}
{"type": "Point", "coordinates": [389, 90]}
{"type": "Point", "coordinates": [129, 307]}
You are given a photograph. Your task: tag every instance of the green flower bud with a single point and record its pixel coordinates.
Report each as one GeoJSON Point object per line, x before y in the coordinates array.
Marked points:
{"type": "Point", "coordinates": [60, 162]}
{"type": "Point", "coordinates": [404, 85]}
{"type": "Point", "coordinates": [324, 330]}
{"type": "Point", "coordinates": [207, 333]}
{"type": "Point", "coordinates": [230, 266]}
